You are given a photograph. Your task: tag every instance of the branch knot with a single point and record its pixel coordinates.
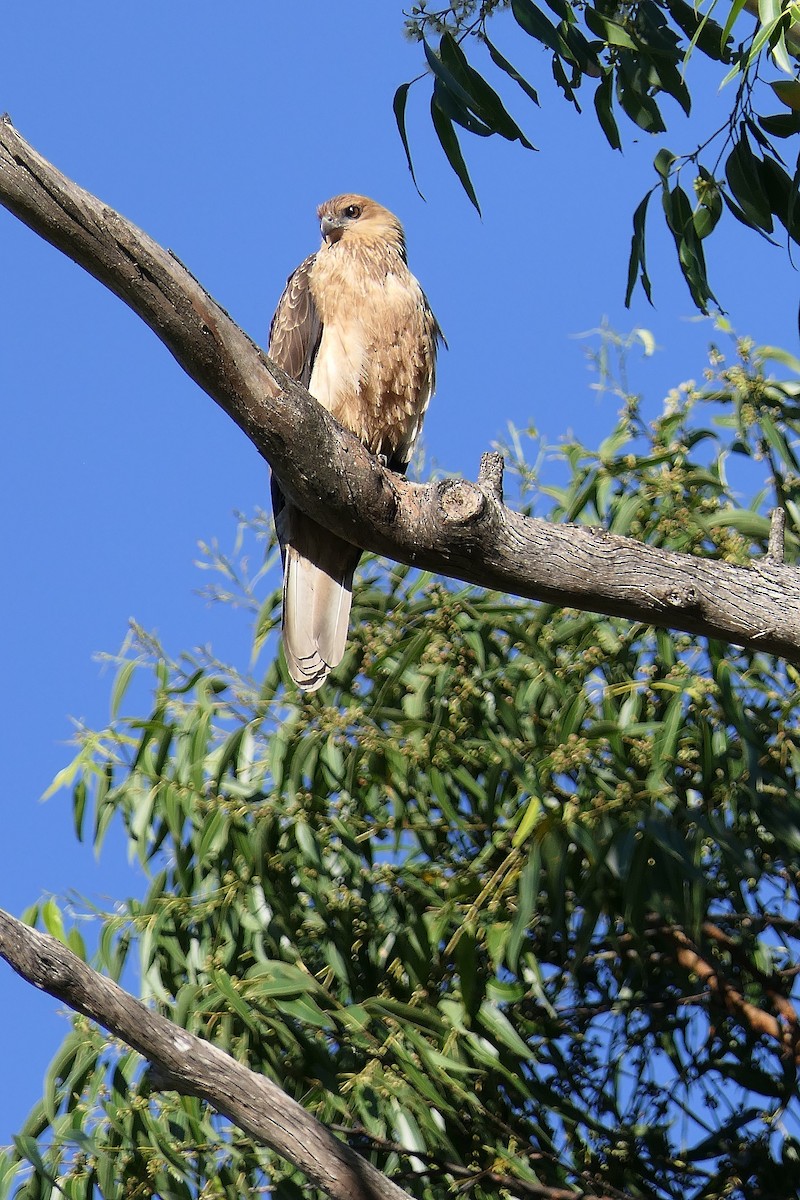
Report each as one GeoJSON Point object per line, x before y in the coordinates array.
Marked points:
{"type": "Point", "coordinates": [461, 503]}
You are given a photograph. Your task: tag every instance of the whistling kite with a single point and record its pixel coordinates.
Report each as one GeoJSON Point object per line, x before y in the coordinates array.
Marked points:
{"type": "Point", "coordinates": [354, 327]}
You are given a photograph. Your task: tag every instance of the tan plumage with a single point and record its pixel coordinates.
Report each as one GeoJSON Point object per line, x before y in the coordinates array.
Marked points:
{"type": "Point", "coordinates": [353, 325]}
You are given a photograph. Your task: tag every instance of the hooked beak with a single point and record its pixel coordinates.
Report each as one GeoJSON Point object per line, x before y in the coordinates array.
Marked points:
{"type": "Point", "coordinates": [332, 229]}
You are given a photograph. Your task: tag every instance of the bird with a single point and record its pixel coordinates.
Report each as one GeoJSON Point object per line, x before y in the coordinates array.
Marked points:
{"type": "Point", "coordinates": [355, 328]}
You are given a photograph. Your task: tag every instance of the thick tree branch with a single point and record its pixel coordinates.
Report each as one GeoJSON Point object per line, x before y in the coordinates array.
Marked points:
{"type": "Point", "coordinates": [453, 527]}
{"type": "Point", "coordinates": [185, 1063]}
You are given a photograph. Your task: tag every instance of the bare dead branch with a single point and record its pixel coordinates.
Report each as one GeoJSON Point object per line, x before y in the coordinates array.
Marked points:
{"type": "Point", "coordinates": [453, 527]}
{"type": "Point", "coordinates": [186, 1063]}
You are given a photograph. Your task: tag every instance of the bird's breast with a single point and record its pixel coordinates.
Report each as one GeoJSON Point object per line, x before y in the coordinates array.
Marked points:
{"type": "Point", "coordinates": [373, 369]}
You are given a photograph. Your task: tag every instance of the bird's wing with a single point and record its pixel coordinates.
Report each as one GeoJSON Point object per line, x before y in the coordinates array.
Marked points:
{"type": "Point", "coordinates": [296, 329]}
{"type": "Point", "coordinates": [317, 566]}
{"type": "Point", "coordinates": [422, 353]}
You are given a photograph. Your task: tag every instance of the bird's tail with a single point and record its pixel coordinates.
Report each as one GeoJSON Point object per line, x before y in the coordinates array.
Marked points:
{"type": "Point", "coordinates": [317, 594]}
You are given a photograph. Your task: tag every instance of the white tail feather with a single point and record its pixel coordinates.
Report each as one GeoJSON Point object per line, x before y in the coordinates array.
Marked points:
{"type": "Point", "coordinates": [316, 614]}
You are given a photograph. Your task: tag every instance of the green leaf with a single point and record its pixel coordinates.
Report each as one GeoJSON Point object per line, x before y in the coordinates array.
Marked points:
{"type": "Point", "coordinates": [637, 263]}
{"type": "Point", "coordinates": [562, 10]}
{"type": "Point", "coordinates": [76, 943]}
{"type": "Point", "coordinates": [453, 107]}
{"type": "Point", "coordinates": [778, 355]}
{"type": "Point", "coordinates": [57, 1072]}
{"type": "Point", "coordinates": [53, 921]}
{"type": "Point", "coordinates": [603, 108]}
{"type": "Point", "coordinates": [280, 979]}
{"type": "Point", "coordinates": [609, 31]}
{"type": "Point", "coordinates": [737, 6]}
{"type": "Point", "coordinates": [79, 797]}
{"type": "Point", "coordinates": [788, 92]}
{"type": "Point", "coordinates": [504, 65]}
{"type": "Point", "coordinates": [228, 992]}
{"type": "Point", "coordinates": [753, 525]}
{"type": "Point", "coordinates": [304, 1009]}
{"type": "Point", "coordinates": [668, 78]}
{"type": "Point", "coordinates": [536, 25]}
{"type": "Point", "coordinates": [482, 99]}
{"type": "Point", "coordinates": [587, 57]}
{"type": "Point", "coordinates": [743, 175]}
{"type": "Point", "coordinates": [308, 844]}
{"type": "Point", "coordinates": [526, 906]}
{"type": "Point", "coordinates": [501, 1029]}
{"type": "Point", "coordinates": [783, 125]}
{"type": "Point", "coordinates": [399, 108]}
{"type": "Point", "coordinates": [229, 753]}
{"type": "Point", "coordinates": [472, 991]}
{"type": "Point", "coordinates": [710, 207]}
{"type": "Point", "coordinates": [9, 1169]}
{"type": "Point", "coordinates": [121, 683]}
{"type": "Point", "coordinates": [633, 94]}
{"type": "Point", "coordinates": [663, 163]}
{"type": "Point", "coordinates": [573, 717]}
{"type": "Point", "coordinates": [776, 439]}
{"type": "Point", "coordinates": [449, 143]}
{"type": "Point", "coordinates": [782, 196]}
{"type": "Point", "coordinates": [678, 213]}
{"type": "Point", "coordinates": [665, 743]}
{"type": "Point", "coordinates": [28, 1149]}
{"type": "Point", "coordinates": [703, 32]}
{"type": "Point", "coordinates": [215, 830]}
{"type": "Point", "coordinates": [562, 80]}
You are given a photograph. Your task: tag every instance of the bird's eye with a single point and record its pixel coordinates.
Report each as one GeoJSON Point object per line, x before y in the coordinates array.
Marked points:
{"type": "Point", "coordinates": [352, 211]}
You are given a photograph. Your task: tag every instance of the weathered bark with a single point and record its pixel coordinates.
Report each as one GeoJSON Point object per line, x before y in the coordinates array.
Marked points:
{"type": "Point", "coordinates": [453, 527]}
{"type": "Point", "coordinates": [185, 1063]}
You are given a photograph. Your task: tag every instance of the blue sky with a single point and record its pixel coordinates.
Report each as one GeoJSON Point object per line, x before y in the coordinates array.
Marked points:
{"type": "Point", "coordinates": [218, 129]}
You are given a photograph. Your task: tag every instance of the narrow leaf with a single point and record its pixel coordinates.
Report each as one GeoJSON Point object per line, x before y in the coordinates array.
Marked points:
{"type": "Point", "coordinates": [454, 99]}
{"type": "Point", "coordinates": [605, 115]}
{"type": "Point", "coordinates": [504, 65]}
{"type": "Point", "coordinates": [637, 262]}
{"type": "Point", "coordinates": [782, 192]}
{"type": "Point", "coordinates": [123, 678]}
{"type": "Point", "coordinates": [703, 32]}
{"type": "Point", "coordinates": [736, 8]}
{"type": "Point", "coordinates": [399, 106]}
{"type": "Point", "coordinates": [742, 173]}
{"type": "Point", "coordinates": [453, 107]}
{"type": "Point", "coordinates": [635, 99]}
{"type": "Point", "coordinates": [484, 100]}
{"type": "Point", "coordinates": [449, 143]}
{"type": "Point", "coordinates": [781, 125]}
{"type": "Point", "coordinates": [609, 31]}
{"type": "Point", "coordinates": [536, 24]}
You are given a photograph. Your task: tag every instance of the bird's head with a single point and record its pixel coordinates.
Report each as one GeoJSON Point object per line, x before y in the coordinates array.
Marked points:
{"type": "Point", "coordinates": [351, 218]}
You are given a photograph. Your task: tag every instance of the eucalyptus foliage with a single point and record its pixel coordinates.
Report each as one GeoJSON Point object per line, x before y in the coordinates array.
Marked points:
{"type": "Point", "coordinates": [459, 902]}
{"type": "Point", "coordinates": [628, 55]}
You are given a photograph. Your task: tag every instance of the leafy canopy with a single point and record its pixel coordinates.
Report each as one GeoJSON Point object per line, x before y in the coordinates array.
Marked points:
{"type": "Point", "coordinates": [512, 905]}
{"type": "Point", "coordinates": [628, 55]}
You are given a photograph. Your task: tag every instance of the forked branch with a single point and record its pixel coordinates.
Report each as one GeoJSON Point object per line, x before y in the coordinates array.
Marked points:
{"type": "Point", "coordinates": [454, 527]}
